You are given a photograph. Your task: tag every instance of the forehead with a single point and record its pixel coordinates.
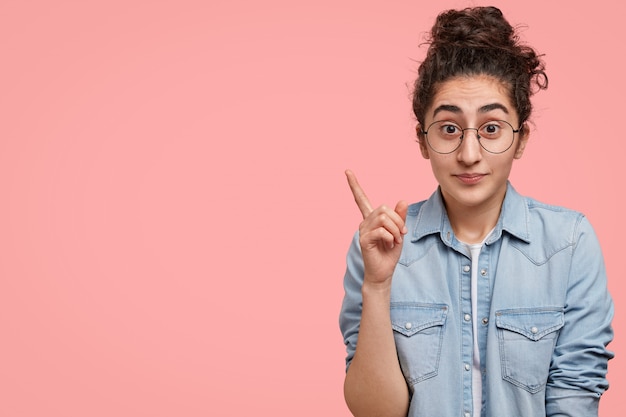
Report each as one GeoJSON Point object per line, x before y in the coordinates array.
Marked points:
{"type": "Point", "coordinates": [472, 95]}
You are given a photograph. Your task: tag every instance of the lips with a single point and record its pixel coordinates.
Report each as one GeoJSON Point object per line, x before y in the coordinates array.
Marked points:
{"type": "Point", "coordinates": [470, 178]}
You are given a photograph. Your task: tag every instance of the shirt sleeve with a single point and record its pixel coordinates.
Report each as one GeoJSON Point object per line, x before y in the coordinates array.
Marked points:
{"type": "Point", "coordinates": [350, 315]}
{"type": "Point", "coordinates": [579, 364]}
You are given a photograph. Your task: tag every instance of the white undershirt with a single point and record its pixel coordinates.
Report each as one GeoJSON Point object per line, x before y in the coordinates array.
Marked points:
{"type": "Point", "coordinates": [477, 382]}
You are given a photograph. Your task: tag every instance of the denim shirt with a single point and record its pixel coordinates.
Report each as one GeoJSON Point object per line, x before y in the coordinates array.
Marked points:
{"type": "Point", "coordinates": [544, 313]}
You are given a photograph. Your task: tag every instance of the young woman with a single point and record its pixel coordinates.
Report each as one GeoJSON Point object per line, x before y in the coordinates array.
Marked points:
{"type": "Point", "coordinates": [477, 301]}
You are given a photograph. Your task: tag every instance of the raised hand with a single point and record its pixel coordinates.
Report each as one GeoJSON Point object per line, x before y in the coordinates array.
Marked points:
{"type": "Point", "coordinates": [380, 234]}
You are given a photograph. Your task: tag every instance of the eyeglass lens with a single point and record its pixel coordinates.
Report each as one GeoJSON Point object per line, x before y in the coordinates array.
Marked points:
{"type": "Point", "coordinates": [495, 136]}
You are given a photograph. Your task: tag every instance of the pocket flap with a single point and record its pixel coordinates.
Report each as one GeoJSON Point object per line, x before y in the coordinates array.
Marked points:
{"type": "Point", "coordinates": [411, 318]}
{"type": "Point", "coordinates": [532, 323]}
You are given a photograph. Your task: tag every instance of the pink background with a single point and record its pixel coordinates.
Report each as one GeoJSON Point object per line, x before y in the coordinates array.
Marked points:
{"type": "Point", "coordinates": [174, 215]}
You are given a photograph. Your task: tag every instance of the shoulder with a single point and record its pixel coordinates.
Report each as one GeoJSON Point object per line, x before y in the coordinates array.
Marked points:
{"type": "Point", "coordinates": [554, 219]}
{"type": "Point", "coordinates": [546, 229]}
{"type": "Point", "coordinates": [530, 219]}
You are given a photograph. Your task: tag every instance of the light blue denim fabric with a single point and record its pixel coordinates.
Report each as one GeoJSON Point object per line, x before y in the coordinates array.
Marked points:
{"type": "Point", "coordinates": [544, 313]}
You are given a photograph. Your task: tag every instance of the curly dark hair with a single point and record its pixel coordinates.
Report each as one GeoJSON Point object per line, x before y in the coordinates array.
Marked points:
{"type": "Point", "coordinates": [478, 41]}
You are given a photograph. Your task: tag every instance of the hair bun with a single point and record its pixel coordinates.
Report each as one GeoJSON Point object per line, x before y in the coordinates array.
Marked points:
{"type": "Point", "coordinates": [480, 27]}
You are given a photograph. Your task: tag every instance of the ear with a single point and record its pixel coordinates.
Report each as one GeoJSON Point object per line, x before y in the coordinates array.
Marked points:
{"type": "Point", "coordinates": [421, 139]}
{"type": "Point", "coordinates": [524, 133]}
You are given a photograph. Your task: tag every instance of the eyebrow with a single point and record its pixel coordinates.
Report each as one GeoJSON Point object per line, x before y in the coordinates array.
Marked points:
{"type": "Point", "coordinates": [484, 109]}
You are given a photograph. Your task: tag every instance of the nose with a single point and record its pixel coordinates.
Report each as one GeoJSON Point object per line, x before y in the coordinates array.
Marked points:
{"type": "Point", "coordinates": [470, 150]}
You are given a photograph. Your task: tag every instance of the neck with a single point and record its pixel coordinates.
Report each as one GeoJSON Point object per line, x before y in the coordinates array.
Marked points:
{"type": "Point", "coordinates": [472, 224]}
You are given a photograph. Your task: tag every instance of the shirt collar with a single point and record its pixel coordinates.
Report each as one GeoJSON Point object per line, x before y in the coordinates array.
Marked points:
{"type": "Point", "coordinates": [514, 217]}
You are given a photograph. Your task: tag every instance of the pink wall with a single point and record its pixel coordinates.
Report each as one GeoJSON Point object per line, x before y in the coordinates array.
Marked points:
{"type": "Point", "coordinates": [174, 214]}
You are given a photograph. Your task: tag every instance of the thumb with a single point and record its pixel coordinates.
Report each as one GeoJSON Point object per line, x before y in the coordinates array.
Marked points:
{"type": "Point", "coordinates": [401, 208]}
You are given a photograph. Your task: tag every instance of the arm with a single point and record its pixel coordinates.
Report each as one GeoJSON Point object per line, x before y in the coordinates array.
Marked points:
{"type": "Point", "coordinates": [579, 365]}
{"type": "Point", "coordinates": [374, 384]}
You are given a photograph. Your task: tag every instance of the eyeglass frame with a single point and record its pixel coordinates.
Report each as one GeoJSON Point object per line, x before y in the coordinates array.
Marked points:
{"type": "Point", "coordinates": [425, 132]}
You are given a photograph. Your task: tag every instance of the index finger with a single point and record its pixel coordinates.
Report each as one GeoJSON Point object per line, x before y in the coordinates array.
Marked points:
{"type": "Point", "coordinates": [359, 195]}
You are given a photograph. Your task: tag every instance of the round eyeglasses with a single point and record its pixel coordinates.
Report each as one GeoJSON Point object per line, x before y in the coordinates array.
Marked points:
{"type": "Point", "coordinates": [495, 136]}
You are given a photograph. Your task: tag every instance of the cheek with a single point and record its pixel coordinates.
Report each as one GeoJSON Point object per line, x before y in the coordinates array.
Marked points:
{"type": "Point", "coordinates": [441, 164]}
{"type": "Point", "coordinates": [503, 165]}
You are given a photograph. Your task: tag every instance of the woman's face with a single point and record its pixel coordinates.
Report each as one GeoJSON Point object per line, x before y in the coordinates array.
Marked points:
{"type": "Point", "coordinates": [470, 177]}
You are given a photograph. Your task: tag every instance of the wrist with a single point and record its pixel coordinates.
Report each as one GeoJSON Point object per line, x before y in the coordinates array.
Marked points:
{"type": "Point", "coordinates": [377, 288]}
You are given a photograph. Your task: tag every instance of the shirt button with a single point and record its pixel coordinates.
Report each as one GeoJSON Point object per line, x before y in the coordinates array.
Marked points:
{"type": "Point", "coordinates": [467, 415]}
{"type": "Point", "coordinates": [467, 367]}
{"type": "Point", "coordinates": [534, 330]}
{"type": "Point", "coordinates": [467, 317]}
{"type": "Point", "coordinates": [466, 268]}
{"type": "Point", "coordinates": [408, 325]}
{"type": "Point", "coordinates": [483, 272]}
{"type": "Point", "coordinates": [485, 320]}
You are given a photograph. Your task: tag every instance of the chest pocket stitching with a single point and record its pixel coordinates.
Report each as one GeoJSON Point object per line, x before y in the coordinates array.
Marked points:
{"type": "Point", "coordinates": [418, 327]}
{"type": "Point", "coordinates": [538, 324]}
{"type": "Point", "coordinates": [525, 361]}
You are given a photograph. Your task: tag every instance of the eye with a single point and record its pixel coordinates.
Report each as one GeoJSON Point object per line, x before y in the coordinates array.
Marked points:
{"type": "Point", "coordinates": [491, 130]}
{"type": "Point", "coordinates": [449, 130]}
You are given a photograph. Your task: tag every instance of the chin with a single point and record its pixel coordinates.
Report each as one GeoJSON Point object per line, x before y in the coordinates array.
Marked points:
{"type": "Point", "coordinates": [474, 195]}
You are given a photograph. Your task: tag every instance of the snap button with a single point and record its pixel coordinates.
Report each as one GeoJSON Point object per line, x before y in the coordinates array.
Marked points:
{"type": "Point", "coordinates": [467, 367]}
{"type": "Point", "coordinates": [408, 325]}
{"type": "Point", "coordinates": [485, 320]}
{"type": "Point", "coordinates": [467, 317]}
{"type": "Point", "coordinates": [534, 330]}
{"type": "Point", "coordinates": [483, 272]}
{"type": "Point", "coordinates": [466, 268]}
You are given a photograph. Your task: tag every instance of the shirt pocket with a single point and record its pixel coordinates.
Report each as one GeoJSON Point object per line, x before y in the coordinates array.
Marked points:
{"type": "Point", "coordinates": [527, 338]}
{"type": "Point", "coordinates": [418, 332]}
